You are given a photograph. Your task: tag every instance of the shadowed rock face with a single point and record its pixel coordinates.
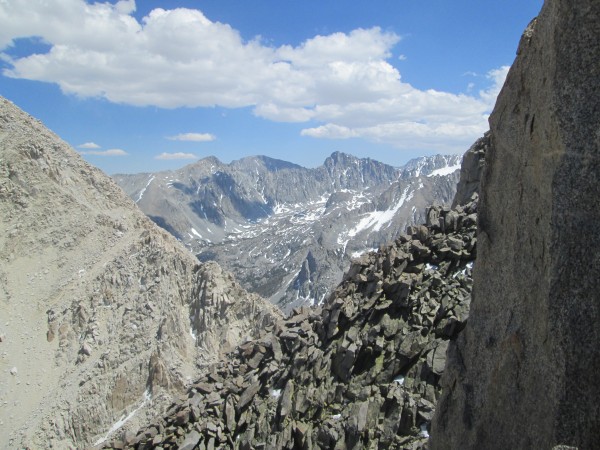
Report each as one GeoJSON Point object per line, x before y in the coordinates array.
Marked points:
{"type": "Point", "coordinates": [471, 169]}
{"type": "Point", "coordinates": [102, 312]}
{"type": "Point", "coordinates": [524, 373]}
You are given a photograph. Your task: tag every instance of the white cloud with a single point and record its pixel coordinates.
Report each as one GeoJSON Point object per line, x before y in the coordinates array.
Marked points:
{"type": "Point", "coordinates": [342, 83]}
{"type": "Point", "coordinates": [109, 152]}
{"type": "Point", "coordinates": [497, 76]}
{"type": "Point", "coordinates": [194, 137]}
{"type": "Point", "coordinates": [177, 155]}
{"type": "Point", "coordinates": [330, 131]}
{"type": "Point", "coordinates": [89, 145]}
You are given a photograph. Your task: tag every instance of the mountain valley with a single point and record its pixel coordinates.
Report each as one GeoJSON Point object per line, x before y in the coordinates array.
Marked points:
{"type": "Point", "coordinates": [287, 232]}
{"type": "Point", "coordinates": [467, 316]}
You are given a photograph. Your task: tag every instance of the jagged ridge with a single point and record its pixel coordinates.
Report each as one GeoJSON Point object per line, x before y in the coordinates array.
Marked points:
{"type": "Point", "coordinates": [95, 299]}
{"type": "Point", "coordinates": [363, 370]}
{"type": "Point", "coordinates": [288, 233]}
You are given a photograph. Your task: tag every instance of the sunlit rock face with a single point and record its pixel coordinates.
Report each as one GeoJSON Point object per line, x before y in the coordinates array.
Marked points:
{"type": "Point", "coordinates": [104, 316]}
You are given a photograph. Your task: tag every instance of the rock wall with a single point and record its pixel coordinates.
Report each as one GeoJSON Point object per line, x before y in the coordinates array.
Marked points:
{"type": "Point", "coordinates": [97, 304]}
{"type": "Point", "coordinates": [524, 373]}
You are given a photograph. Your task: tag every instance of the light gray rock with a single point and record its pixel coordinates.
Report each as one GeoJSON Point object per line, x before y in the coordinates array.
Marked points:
{"type": "Point", "coordinates": [102, 294]}
{"type": "Point", "coordinates": [524, 373]}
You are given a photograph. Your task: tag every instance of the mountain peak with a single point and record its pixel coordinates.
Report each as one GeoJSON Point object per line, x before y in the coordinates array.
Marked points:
{"type": "Point", "coordinates": [270, 164]}
{"type": "Point", "coordinates": [341, 158]}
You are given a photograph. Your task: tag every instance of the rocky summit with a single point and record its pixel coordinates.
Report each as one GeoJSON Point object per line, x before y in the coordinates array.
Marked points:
{"type": "Point", "coordinates": [363, 371]}
{"type": "Point", "coordinates": [524, 372]}
{"type": "Point", "coordinates": [103, 313]}
{"type": "Point", "coordinates": [287, 232]}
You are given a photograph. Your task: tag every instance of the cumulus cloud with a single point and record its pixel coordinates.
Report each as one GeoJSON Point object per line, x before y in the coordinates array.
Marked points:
{"type": "Point", "coordinates": [330, 131]}
{"type": "Point", "coordinates": [194, 137]}
{"type": "Point", "coordinates": [177, 155]}
{"type": "Point", "coordinates": [497, 77]}
{"type": "Point", "coordinates": [89, 145]}
{"type": "Point", "coordinates": [342, 83]}
{"type": "Point", "coordinates": [109, 152]}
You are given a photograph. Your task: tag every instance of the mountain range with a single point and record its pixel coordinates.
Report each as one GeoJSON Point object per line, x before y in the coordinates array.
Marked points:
{"type": "Point", "coordinates": [479, 326]}
{"type": "Point", "coordinates": [288, 232]}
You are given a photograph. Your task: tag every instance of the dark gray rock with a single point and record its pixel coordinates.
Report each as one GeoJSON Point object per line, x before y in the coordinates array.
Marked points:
{"type": "Point", "coordinates": [471, 170]}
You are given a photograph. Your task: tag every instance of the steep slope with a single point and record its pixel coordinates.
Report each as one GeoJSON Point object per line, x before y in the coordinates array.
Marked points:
{"type": "Point", "coordinates": [361, 372]}
{"type": "Point", "coordinates": [253, 214]}
{"type": "Point", "coordinates": [102, 311]}
{"type": "Point", "coordinates": [524, 373]}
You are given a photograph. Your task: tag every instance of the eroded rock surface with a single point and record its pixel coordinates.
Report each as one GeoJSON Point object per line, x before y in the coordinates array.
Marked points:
{"type": "Point", "coordinates": [524, 373]}
{"type": "Point", "coordinates": [103, 313]}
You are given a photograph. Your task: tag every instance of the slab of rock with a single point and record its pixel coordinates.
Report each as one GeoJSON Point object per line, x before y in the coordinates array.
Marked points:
{"type": "Point", "coordinates": [524, 373]}
{"type": "Point", "coordinates": [190, 441]}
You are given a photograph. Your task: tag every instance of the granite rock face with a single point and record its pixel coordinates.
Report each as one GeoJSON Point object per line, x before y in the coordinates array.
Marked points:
{"type": "Point", "coordinates": [363, 371]}
{"type": "Point", "coordinates": [102, 312]}
{"type": "Point", "coordinates": [524, 372]}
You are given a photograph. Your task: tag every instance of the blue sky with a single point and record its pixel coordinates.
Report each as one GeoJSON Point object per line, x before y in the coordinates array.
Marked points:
{"type": "Point", "coordinates": [155, 84]}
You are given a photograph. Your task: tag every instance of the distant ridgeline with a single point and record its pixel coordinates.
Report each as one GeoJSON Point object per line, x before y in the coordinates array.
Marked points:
{"type": "Point", "coordinates": [361, 371]}
{"type": "Point", "coordinates": [288, 233]}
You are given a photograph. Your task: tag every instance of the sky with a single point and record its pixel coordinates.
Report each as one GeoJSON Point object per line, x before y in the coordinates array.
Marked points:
{"type": "Point", "coordinates": [155, 84]}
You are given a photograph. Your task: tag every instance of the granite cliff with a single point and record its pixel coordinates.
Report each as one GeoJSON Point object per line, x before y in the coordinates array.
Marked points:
{"type": "Point", "coordinates": [105, 316]}
{"type": "Point", "coordinates": [524, 372]}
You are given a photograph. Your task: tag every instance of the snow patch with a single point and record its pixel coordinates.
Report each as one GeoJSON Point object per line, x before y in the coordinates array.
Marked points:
{"type": "Point", "coordinates": [124, 418]}
{"type": "Point", "coordinates": [358, 254]}
{"type": "Point", "coordinates": [399, 380]}
{"type": "Point", "coordinates": [144, 189]}
{"type": "Point", "coordinates": [275, 393]}
{"type": "Point", "coordinates": [377, 219]}
{"type": "Point", "coordinates": [444, 171]}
